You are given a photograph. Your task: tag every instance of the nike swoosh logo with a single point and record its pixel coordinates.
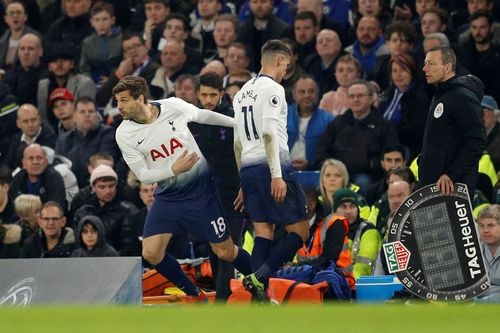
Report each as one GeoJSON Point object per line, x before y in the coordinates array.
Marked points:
{"type": "Point", "coordinates": [139, 142]}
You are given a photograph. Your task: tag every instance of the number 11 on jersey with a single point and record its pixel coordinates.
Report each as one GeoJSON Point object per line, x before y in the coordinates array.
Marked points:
{"type": "Point", "coordinates": [248, 113]}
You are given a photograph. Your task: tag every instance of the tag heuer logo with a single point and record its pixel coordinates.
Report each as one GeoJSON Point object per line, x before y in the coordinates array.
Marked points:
{"type": "Point", "coordinates": [396, 256]}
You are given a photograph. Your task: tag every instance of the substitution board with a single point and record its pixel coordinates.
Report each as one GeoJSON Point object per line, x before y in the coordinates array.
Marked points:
{"type": "Point", "coordinates": [433, 247]}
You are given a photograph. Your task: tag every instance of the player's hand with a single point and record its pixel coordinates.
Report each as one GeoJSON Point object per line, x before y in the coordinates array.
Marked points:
{"type": "Point", "coordinates": [278, 189]}
{"type": "Point", "coordinates": [238, 203]}
{"type": "Point", "coordinates": [445, 184]}
{"type": "Point", "coordinates": [299, 164]}
{"type": "Point", "coordinates": [184, 162]}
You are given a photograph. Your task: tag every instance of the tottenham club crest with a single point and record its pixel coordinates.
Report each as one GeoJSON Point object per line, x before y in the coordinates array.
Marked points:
{"type": "Point", "coordinates": [439, 110]}
{"type": "Point", "coordinates": [274, 101]}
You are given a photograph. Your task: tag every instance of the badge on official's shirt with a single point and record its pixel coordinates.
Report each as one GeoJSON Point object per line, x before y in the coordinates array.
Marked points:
{"type": "Point", "coordinates": [439, 110]}
{"type": "Point", "coordinates": [274, 101]}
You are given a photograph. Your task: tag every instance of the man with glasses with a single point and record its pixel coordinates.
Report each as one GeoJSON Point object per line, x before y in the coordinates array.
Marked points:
{"type": "Point", "coordinates": [38, 178]}
{"type": "Point", "coordinates": [90, 136]}
{"type": "Point", "coordinates": [53, 239]}
{"type": "Point", "coordinates": [136, 61]}
{"type": "Point", "coordinates": [358, 136]}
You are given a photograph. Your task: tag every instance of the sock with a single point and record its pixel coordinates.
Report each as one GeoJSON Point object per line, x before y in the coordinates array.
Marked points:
{"type": "Point", "coordinates": [261, 250]}
{"type": "Point", "coordinates": [243, 262]}
{"type": "Point", "coordinates": [222, 280]}
{"type": "Point", "coordinates": [281, 254]}
{"type": "Point", "coordinates": [170, 268]}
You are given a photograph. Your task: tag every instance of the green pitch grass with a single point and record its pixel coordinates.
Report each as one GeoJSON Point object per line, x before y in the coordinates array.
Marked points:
{"type": "Point", "coordinates": [240, 319]}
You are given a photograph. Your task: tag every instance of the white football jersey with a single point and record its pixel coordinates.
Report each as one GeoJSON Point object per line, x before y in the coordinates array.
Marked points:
{"type": "Point", "coordinates": [260, 98]}
{"type": "Point", "coordinates": [151, 149]}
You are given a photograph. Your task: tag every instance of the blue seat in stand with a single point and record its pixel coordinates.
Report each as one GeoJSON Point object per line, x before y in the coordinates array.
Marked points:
{"type": "Point", "coordinates": [308, 178]}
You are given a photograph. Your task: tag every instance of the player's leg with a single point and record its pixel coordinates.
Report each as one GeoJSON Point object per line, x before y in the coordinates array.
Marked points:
{"type": "Point", "coordinates": [207, 223]}
{"type": "Point", "coordinates": [158, 230]}
{"type": "Point", "coordinates": [263, 241]}
{"type": "Point", "coordinates": [292, 213]}
{"type": "Point", "coordinates": [154, 252]}
{"type": "Point", "coordinates": [228, 251]}
{"type": "Point", "coordinates": [225, 270]}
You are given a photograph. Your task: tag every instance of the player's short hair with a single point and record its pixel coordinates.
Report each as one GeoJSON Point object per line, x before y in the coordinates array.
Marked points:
{"type": "Point", "coordinates": [274, 47]}
{"type": "Point", "coordinates": [210, 79]}
{"type": "Point", "coordinates": [447, 56]}
{"type": "Point", "coordinates": [135, 85]}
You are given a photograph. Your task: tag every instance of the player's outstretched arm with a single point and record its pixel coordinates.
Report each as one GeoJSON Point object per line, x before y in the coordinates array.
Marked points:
{"type": "Point", "coordinates": [212, 118]}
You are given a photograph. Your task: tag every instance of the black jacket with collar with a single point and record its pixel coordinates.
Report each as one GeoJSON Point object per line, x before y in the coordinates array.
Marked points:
{"type": "Point", "coordinates": [454, 137]}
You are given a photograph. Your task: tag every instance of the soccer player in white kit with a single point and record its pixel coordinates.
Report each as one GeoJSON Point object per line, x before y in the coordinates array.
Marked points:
{"type": "Point", "coordinates": [270, 191]}
{"type": "Point", "coordinates": [159, 148]}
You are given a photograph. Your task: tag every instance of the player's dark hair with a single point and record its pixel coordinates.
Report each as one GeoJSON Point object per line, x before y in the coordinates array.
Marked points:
{"type": "Point", "coordinates": [210, 79]}
{"type": "Point", "coordinates": [275, 46]}
{"type": "Point", "coordinates": [135, 85]}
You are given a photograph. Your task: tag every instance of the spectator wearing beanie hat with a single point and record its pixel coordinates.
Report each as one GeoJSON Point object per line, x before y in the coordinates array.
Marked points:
{"type": "Point", "coordinates": [364, 239]}
{"type": "Point", "coordinates": [491, 117]}
{"type": "Point", "coordinates": [113, 212]}
{"type": "Point", "coordinates": [103, 172]}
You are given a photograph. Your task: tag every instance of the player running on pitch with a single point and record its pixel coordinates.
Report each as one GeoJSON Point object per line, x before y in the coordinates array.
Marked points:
{"type": "Point", "coordinates": [159, 148]}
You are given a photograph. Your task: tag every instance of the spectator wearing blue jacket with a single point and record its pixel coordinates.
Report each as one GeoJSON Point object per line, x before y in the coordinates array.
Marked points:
{"type": "Point", "coordinates": [305, 123]}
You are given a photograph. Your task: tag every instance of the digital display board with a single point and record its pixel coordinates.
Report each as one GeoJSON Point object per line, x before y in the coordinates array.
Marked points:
{"type": "Point", "coordinates": [433, 246]}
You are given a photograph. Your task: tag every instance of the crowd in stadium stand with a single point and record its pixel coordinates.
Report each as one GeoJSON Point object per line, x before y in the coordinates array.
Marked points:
{"type": "Point", "coordinates": [66, 191]}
